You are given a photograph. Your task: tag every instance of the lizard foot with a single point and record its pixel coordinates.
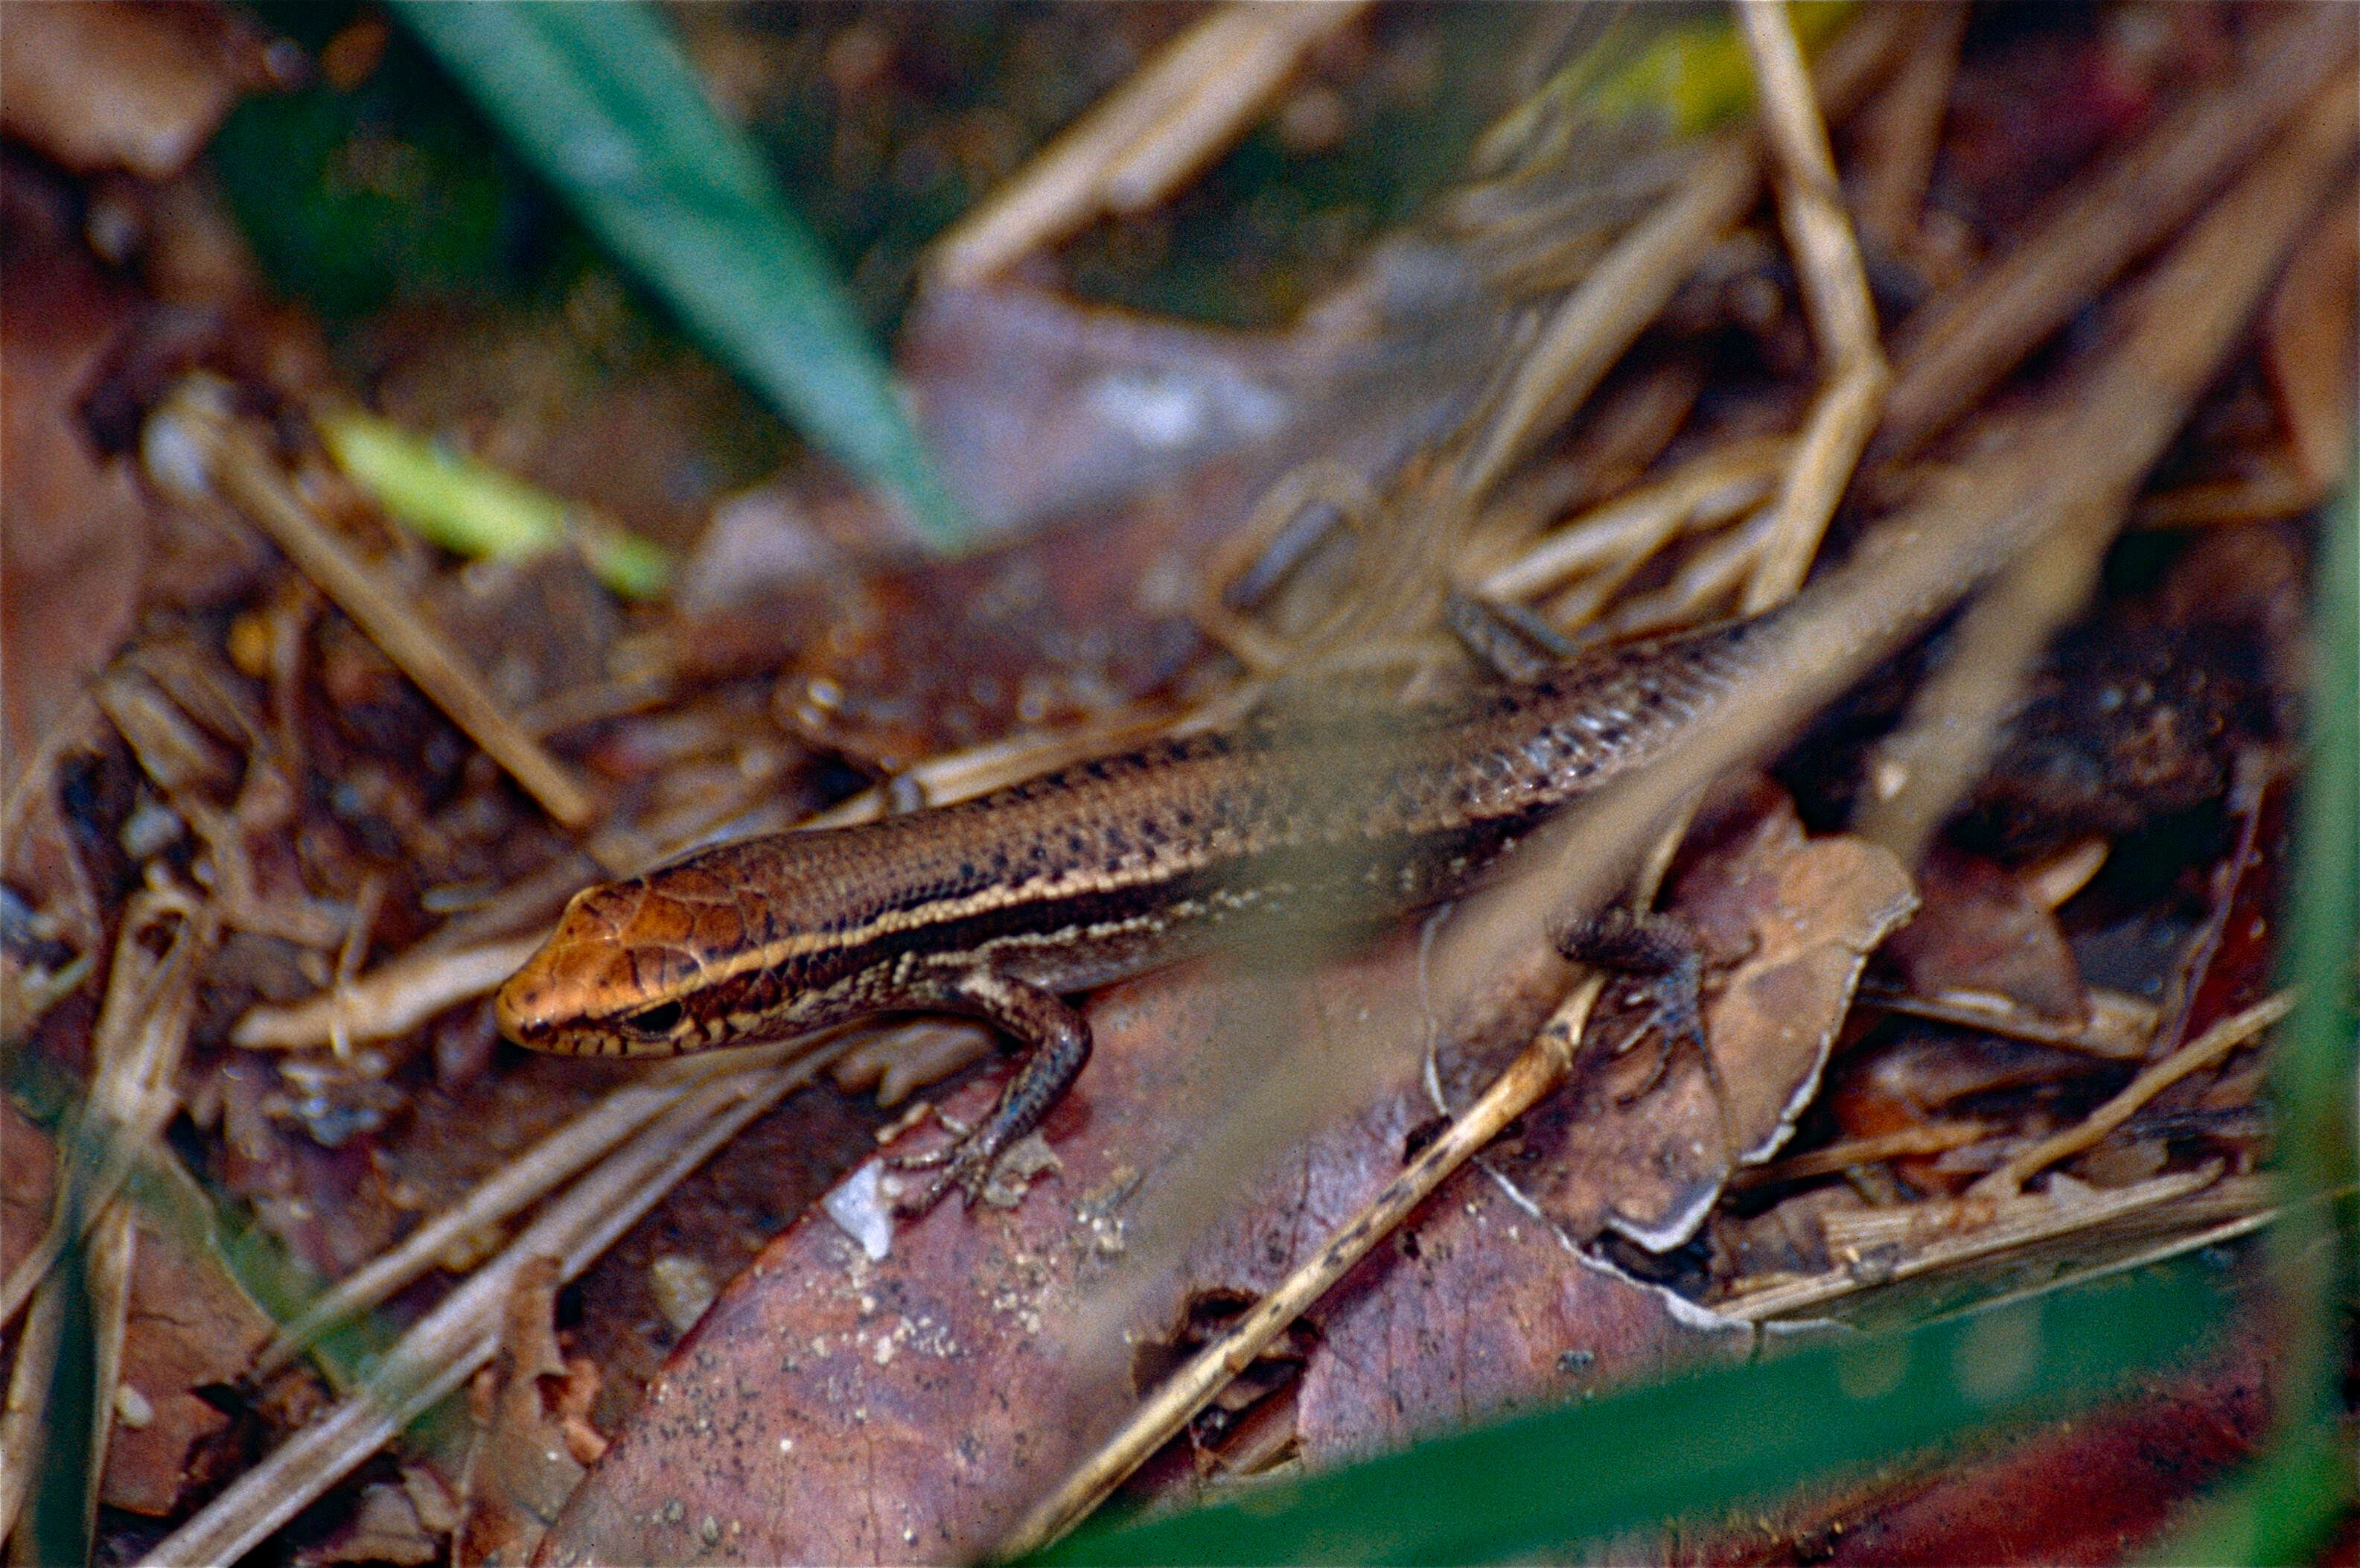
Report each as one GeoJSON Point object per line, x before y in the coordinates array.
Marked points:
{"type": "Point", "coordinates": [966, 1163]}
{"type": "Point", "coordinates": [1660, 955]}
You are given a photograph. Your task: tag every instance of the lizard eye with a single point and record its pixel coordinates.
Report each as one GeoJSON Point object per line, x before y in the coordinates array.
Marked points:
{"type": "Point", "coordinates": [655, 1023]}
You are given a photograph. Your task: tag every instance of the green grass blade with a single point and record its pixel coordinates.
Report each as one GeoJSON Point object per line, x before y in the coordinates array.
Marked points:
{"type": "Point", "coordinates": [1532, 1486]}
{"type": "Point", "coordinates": [600, 100]}
{"type": "Point", "coordinates": [2283, 1508]}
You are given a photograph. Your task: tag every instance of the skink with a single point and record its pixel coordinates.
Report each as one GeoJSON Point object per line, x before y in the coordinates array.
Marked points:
{"type": "Point", "coordinates": [1000, 906]}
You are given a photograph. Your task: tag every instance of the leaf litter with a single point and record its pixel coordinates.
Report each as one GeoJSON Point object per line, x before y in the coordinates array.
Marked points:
{"type": "Point", "coordinates": [361, 870]}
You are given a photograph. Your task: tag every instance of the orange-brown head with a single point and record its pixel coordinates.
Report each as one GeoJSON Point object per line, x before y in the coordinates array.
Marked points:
{"type": "Point", "coordinates": [611, 981]}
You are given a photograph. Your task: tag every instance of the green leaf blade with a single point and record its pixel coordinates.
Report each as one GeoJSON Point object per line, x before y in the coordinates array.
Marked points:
{"type": "Point", "coordinates": [1532, 1486]}
{"type": "Point", "coordinates": [600, 99]}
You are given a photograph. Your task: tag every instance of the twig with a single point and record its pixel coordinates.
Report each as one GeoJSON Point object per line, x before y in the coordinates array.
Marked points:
{"type": "Point", "coordinates": [142, 1027]}
{"type": "Point", "coordinates": [1222, 103]}
{"type": "Point", "coordinates": [1944, 365]}
{"type": "Point", "coordinates": [1142, 139]}
{"type": "Point", "coordinates": [1534, 1073]}
{"type": "Point", "coordinates": [2118, 1029]}
{"type": "Point", "coordinates": [2202, 1052]}
{"type": "Point", "coordinates": [193, 443]}
{"type": "Point", "coordinates": [1938, 1137]}
{"type": "Point", "coordinates": [2006, 1226]}
{"type": "Point", "coordinates": [446, 1346]}
{"type": "Point", "coordinates": [1835, 295]}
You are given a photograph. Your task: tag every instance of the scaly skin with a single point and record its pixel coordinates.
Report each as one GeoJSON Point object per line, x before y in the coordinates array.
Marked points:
{"type": "Point", "coordinates": [997, 907]}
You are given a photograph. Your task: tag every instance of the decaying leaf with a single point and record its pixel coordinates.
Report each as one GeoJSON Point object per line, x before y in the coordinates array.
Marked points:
{"type": "Point", "coordinates": [1983, 939]}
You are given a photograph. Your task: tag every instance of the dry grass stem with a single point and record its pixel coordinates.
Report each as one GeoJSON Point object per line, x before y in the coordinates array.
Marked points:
{"type": "Point", "coordinates": [1536, 1071]}
{"type": "Point", "coordinates": [1623, 532]}
{"type": "Point", "coordinates": [2118, 1029]}
{"type": "Point", "coordinates": [2085, 446]}
{"type": "Point", "coordinates": [961, 775]}
{"type": "Point", "coordinates": [2308, 334]}
{"type": "Point", "coordinates": [142, 1027]}
{"type": "Point", "coordinates": [389, 1001]}
{"type": "Point", "coordinates": [1270, 41]}
{"type": "Point", "coordinates": [1627, 288]}
{"type": "Point", "coordinates": [1938, 1235]}
{"type": "Point", "coordinates": [24, 1424]}
{"type": "Point", "coordinates": [114, 1244]}
{"type": "Point", "coordinates": [1702, 587]}
{"type": "Point", "coordinates": [1900, 132]}
{"type": "Point", "coordinates": [446, 1346]}
{"type": "Point", "coordinates": [2272, 490]}
{"type": "Point", "coordinates": [194, 445]}
{"type": "Point", "coordinates": [1140, 140]}
{"type": "Point", "coordinates": [136, 1046]}
{"type": "Point", "coordinates": [2199, 1053]}
{"type": "Point", "coordinates": [598, 702]}
{"type": "Point", "coordinates": [1945, 364]}
{"type": "Point", "coordinates": [1632, 281]}
{"type": "Point", "coordinates": [522, 1181]}
{"type": "Point", "coordinates": [1835, 295]}
{"type": "Point", "coordinates": [1934, 1138]}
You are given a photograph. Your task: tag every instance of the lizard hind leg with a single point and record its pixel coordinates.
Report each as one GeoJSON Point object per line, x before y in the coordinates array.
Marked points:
{"type": "Point", "coordinates": [1662, 953]}
{"type": "Point", "coordinates": [1056, 1045]}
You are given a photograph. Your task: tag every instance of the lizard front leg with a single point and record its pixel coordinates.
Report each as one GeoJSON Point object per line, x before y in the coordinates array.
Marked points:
{"type": "Point", "coordinates": [1056, 1040]}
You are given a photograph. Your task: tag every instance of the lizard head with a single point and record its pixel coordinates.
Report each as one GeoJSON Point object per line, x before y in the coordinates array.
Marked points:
{"type": "Point", "coordinates": [612, 980]}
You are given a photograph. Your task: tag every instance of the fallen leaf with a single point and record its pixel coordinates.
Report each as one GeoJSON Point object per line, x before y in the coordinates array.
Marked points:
{"type": "Point", "coordinates": [189, 1328]}
{"type": "Point", "coordinates": [123, 86]}
{"type": "Point", "coordinates": [522, 1465]}
{"type": "Point", "coordinates": [1980, 934]}
{"type": "Point", "coordinates": [1615, 1154]}
{"type": "Point", "coordinates": [73, 561]}
{"type": "Point", "coordinates": [836, 1406]}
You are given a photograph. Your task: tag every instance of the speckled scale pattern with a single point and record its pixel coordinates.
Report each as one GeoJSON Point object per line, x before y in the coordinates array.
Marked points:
{"type": "Point", "coordinates": [1101, 868]}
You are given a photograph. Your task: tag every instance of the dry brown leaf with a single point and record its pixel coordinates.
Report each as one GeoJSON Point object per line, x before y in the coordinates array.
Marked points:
{"type": "Point", "coordinates": [123, 86]}
{"type": "Point", "coordinates": [189, 1328]}
{"type": "Point", "coordinates": [522, 1466]}
{"type": "Point", "coordinates": [836, 1406]}
{"type": "Point", "coordinates": [404, 1523]}
{"type": "Point", "coordinates": [72, 559]}
{"type": "Point", "coordinates": [1982, 936]}
{"type": "Point", "coordinates": [1796, 918]}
